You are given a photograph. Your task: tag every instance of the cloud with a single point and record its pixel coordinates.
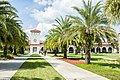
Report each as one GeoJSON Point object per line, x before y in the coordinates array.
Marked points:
{"type": "Point", "coordinates": [58, 8]}
{"type": "Point", "coordinates": [44, 2]}
{"type": "Point", "coordinates": [44, 28]}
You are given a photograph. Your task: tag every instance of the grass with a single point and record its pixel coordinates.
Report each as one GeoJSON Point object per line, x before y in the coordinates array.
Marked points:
{"type": "Point", "coordinates": [36, 68]}
{"type": "Point", "coordinates": [19, 54]}
{"type": "Point", "coordinates": [10, 55]}
{"type": "Point", "coordinates": [108, 69]}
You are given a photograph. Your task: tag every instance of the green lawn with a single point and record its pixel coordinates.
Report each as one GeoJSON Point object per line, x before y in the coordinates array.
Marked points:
{"type": "Point", "coordinates": [10, 55]}
{"type": "Point", "coordinates": [106, 68]}
{"type": "Point", "coordinates": [25, 53]}
{"type": "Point", "coordinates": [36, 68]}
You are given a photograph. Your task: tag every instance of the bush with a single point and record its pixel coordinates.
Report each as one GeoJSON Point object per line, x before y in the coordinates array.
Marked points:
{"type": "Point", "coordinates": [7, 57]}
{"type": "Point", "coordinates": [10, 57]}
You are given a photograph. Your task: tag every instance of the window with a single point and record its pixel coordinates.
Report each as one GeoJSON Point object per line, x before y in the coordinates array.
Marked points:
{"type": "Point", "coordinates": [34, 49]}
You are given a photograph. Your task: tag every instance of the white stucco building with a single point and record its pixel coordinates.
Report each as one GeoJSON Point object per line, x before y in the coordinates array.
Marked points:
{"type": "Point", "coordinates": [35, 43]}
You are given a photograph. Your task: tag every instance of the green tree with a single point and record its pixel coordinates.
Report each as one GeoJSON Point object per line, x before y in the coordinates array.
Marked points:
{"type": "Point", "coordinates": [112, 11]}
{"type": "Point", "coordinates": [54, 39]}
{"type": "Point", "coordinates": [11, 33]}
{"type": "Point", "coordinates": [90, 27]}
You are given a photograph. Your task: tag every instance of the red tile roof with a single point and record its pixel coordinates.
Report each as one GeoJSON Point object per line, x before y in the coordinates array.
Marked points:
{"type": "Point", "coordinates": [36, 44]}
{"type": "Point", "coordinates": [35, 30]}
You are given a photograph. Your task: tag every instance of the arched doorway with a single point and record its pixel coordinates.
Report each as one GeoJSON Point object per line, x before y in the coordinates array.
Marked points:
{"type": "Point", "coordinates": [104, 50]}
{"type": "Point", "coordinates": [109, 50]}
{"type": "Point", "coordinates": [42, 49]}
{"type": "Point", "coordinates": [71, 50]}
{"type": "Point", "coordinates": [98, 49]}
{"type": "Point", "coordinates": [93, 50]}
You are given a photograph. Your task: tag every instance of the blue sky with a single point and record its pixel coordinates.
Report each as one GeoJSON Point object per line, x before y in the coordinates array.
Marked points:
{"type": "Point", "coordinates": [25, 8]}
{"type": "Point", "coordinates": [40, 14]}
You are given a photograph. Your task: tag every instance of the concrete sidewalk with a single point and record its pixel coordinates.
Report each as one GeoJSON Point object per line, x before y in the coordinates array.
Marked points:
{"type": "Point", "coordinates": [9, 67]}
{"type": "Point", "coordinates": [72, 72]}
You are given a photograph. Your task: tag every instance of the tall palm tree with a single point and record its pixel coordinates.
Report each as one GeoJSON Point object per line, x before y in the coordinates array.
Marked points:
{"type": "Point", "coordinates": [90, 27]}
{"type": "Point", "coordinates": [11, 33]}
{"type": "Point", "coordinates": [112, 10]}
{"type": "Point", "coordinates": [6, 8]}
{"type": "Point", "coordinates": [54, 39]}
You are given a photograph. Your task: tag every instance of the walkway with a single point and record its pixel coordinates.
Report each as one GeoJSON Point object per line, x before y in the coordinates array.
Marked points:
{"type": "Point", "coordinates": [71, 72]}
{"type": "Point", "coordinates": [9, 68]}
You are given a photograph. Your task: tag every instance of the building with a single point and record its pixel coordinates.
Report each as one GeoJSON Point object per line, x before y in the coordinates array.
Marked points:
{"type": "Point", "coordinates": [36, 45]}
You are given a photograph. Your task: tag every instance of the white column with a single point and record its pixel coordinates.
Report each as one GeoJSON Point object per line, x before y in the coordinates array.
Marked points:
{"type": "Point", "coordinates": [106, 49]}
{"type": "Point", "coordinates": [31, 49]}
{"type": "Point", "coordinates": [100, 49]}
{"type": "Point", "coordinates": [68, 50]}
{"type": "Point", "coordinates": [95, 49]}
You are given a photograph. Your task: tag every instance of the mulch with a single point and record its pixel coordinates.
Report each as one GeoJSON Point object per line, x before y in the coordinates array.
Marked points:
{"type": "Point", "coordinates": [74, 62]}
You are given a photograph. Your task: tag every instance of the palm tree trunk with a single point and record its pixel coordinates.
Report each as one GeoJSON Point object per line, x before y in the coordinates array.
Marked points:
{"type": "Point", "coordinates": [65, 51]}
{"type": "Point", "coordinates": [87, 57]}
{"type": "Point", "coordinates": [5, 50]}
{"type": "Point", "coordinates": [15, 50]}
{"type": "Point", "coordinates": [22, 50]}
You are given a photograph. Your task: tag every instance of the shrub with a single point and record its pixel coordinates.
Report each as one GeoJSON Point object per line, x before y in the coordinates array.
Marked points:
{"type": "Point", "coordinates": [10, 57]}
{"type": "Point", "coordinates": [7, 57]}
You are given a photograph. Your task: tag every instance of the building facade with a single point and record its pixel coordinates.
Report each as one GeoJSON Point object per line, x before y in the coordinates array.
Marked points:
{"type": "Point", "coordinates": [37, 45]}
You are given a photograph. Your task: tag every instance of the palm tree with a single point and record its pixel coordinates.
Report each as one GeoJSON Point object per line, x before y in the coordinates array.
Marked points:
{"type": "Point", "coordinates": [90, 27]}
{"type": "Point", "coordinates": [11, 33]}
{"type": "Point", "coordinates": [54, 39]}
{"type": "Point", "coordinates": [112, 10]}
{"type": "Point", "coordinates": [6, 8]}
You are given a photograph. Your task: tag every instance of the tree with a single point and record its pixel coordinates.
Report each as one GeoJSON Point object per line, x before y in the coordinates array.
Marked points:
{"type": "Point", "coordinates": [11, 33]}
{"type": "Point", "coordinates": [90, 27]}
{"type": "Point", "coordinates": [54, 39]}
{"type": "Point", "coordinates": [112, 11]}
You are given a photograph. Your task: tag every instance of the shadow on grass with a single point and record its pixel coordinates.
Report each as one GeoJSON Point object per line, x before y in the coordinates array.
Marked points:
{"type": "Point", "coordinates": [77, 58]}
{"type": "Point", "coordinates": [25, 78]}
{"type": "Point", "coordinates": [108, 64]}
{"type": "Point", "coordinates": [98, 54]}
{"type": "Point", "coordinates": [95, 59]}
{"type": "Point", "coordinates": [33, 63]}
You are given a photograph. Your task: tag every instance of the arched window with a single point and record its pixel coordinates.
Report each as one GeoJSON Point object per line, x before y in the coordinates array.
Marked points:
{"type": "Point", "coordinates": [104, 50]}
{"type": "Point", "coordinates": [71, 50]}
{"type": "Point", "coordinates": [109, 50]}
{"type": "Point", "coordinates": [98, 49]}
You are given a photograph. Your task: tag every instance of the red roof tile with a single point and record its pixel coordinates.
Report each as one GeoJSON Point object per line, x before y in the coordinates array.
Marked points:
{"type": "Point", "coordinates": [35, 30]}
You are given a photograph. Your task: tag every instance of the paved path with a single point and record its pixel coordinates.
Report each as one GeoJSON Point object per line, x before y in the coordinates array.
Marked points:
{"type": "Point", "coordinates": [71, 72]}
{"type": "Point", "coordinates": [9, 67]}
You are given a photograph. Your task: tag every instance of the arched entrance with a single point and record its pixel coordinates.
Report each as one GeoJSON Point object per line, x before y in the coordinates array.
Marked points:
{"type": "Point", "coordinates": [104, 50]}
{"type": "Point", "coordinates": [109, 50]}
{"type": "Point", "coordinates": [71, 50]}
{"type": "Point", "coordinates": [98, 49]}
{"type": "Point", "coordinates": [93, 50]}
{"type": "Point", "coordinates": [42, 49]}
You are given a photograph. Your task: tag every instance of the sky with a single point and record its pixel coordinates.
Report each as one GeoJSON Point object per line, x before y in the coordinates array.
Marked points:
{"type": "Point", "coordinates": [41, 14]}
